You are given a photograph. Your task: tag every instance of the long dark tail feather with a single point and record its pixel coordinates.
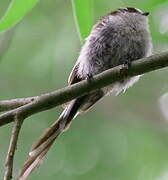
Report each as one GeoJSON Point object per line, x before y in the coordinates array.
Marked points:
{"type": "Point", "coordinates": [42, 146]}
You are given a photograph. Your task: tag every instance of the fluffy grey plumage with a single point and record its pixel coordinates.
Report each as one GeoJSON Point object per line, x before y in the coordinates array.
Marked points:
{"type": "Point", "coordinates": [121, 36]}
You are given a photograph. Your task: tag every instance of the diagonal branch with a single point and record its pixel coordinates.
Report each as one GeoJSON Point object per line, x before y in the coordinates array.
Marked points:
{"type": "Point", "coordinates": [12, 148]}
{"type": "Point", "coordinates": [6, 105]}
{"type": "Point", "coordinates": [55, 98]}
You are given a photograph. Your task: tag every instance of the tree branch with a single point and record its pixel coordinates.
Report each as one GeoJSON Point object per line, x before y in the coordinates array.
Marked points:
{"type": "Point", "coordinates": [55, 98]}
{"type": "Point", "coordinates": [12, 148]}
{"type": "Point", "coordinates": [6, 105]}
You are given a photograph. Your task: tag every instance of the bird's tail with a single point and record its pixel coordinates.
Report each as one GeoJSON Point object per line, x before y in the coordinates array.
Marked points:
{"type": "Point", "coordinates": [42, 146]}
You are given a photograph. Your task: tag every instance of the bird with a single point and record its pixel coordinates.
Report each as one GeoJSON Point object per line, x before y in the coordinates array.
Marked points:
{"type": "Point", "coordinates": [119, 37]}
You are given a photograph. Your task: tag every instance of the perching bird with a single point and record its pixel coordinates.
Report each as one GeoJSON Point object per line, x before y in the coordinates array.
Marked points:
{"type": "Point", "coordinates": [120, 37]}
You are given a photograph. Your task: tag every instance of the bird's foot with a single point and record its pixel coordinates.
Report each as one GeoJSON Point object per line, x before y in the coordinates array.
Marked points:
{"type": "Point", "coordinates": [124, 70]}
{"type": "Point", "coordinates": [89, 77]}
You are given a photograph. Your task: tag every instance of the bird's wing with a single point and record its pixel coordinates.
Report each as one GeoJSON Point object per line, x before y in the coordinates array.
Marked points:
{"type": "Point", "coordinates": [88, 100]}
{"type": "Point", "coordinates": [73, 77]}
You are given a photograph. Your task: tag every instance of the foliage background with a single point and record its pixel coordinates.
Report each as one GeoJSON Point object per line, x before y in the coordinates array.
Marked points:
{"type": "Point", "coordinates": [121, 138]}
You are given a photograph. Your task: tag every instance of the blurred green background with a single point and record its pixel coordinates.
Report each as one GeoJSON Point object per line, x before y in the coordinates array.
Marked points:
{"type": "Point", "coordinates": [121, 138]}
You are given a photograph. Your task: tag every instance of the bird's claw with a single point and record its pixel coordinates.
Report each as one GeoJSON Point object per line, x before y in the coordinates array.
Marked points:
{"type": "Point", "coordinates": [124, 70]}
{"type": "Point", "coordinates": [89, 77]}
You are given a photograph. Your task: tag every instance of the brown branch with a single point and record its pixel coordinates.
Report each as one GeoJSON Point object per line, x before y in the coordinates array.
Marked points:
{"type": "Point", "coordinates": [12, 148]}
{"type": "Point", "coordinates": [55, 98]}
{"type": "Point", "coordinates": [6, 105]}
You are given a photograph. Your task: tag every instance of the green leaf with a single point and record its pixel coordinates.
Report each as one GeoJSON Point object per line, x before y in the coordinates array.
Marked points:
{"type": "Point", "coordinates": [83, 13]}
{"type": "Point", "coordinates": [15, 12]}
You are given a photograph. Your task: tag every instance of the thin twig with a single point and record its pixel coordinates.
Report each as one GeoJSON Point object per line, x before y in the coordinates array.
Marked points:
{"type": "Point", "coordinates": [55, 98]}
{"type": "Point", "coordinates": [12, 148]}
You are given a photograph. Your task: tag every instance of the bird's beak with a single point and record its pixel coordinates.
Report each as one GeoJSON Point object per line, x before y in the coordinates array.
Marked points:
{"type": "Point", "coordinates": [145, 13]}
